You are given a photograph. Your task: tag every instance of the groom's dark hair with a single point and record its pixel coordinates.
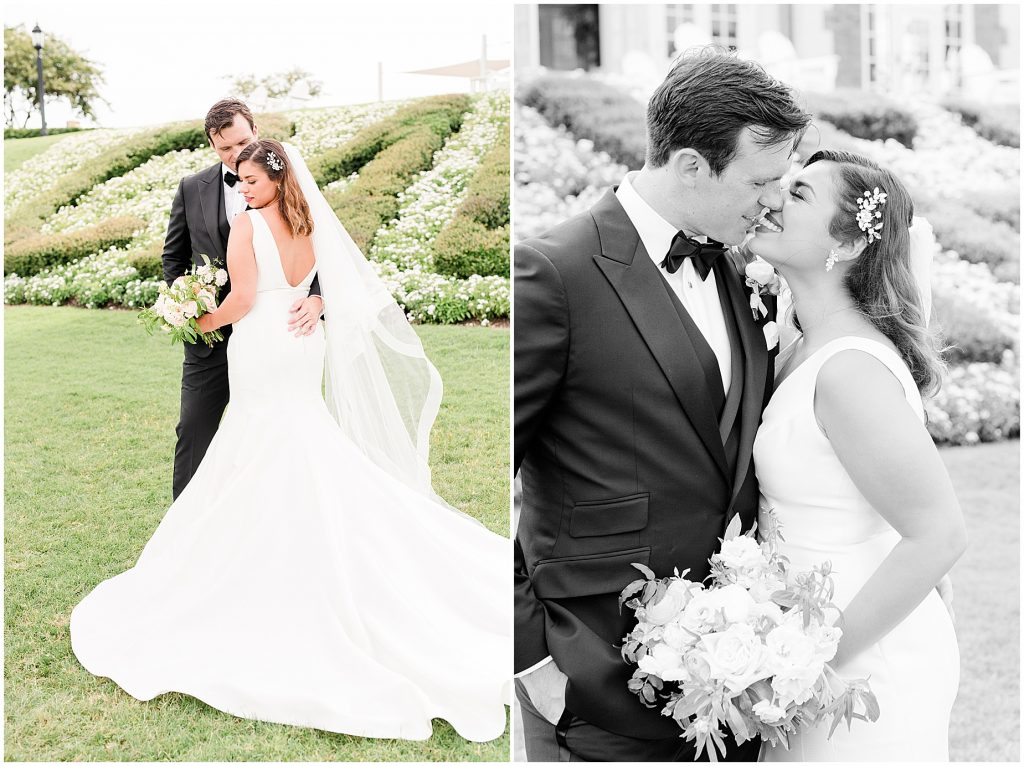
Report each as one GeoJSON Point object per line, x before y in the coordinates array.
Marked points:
{"type": "Point", "coordinates": [708, 98]}
{"type": "Point", "coordinates": [222, 115]}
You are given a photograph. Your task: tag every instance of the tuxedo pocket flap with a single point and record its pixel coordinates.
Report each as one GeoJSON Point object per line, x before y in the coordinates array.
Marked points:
{"type": "Point", "coordinates": [609, 517]}
{"type": "Point", "coordinates": [588, 575]}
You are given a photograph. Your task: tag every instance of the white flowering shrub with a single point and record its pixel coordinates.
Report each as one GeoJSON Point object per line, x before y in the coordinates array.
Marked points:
{"type": "Point", "coordinates": [44, 171]}
{"type": "Point", "coordinates": [977, 403]}
{"type": "Point", "coordinates": [146, 193]}
{"type": "Point", "coordinates": [429, 203]}
{"type": "Point", "coordinates": [319, 129]}
{"type": "Point", "coordinates": [91, 282]}
{"type": "Point", "coordinates": [401, 248]}
{"type": "Point", "coordinates": [435, 298]}
{"type": "Point", "coordinates": [556, 176]}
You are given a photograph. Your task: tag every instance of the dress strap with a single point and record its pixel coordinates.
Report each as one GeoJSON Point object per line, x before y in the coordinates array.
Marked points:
{"type": "Point", "coordinates": [892, 360]}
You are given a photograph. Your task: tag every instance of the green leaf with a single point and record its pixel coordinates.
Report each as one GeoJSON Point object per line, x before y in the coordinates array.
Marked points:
{"type": "Point", "coordinates": [630, 590]}
{"type": "Point", "coordinates": [647, 572]}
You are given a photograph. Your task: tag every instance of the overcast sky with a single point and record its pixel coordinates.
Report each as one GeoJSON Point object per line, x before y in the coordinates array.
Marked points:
{"type": "Point", "coordinates": [171, 60]}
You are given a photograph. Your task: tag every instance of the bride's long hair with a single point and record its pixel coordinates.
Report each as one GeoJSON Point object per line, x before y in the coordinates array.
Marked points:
{"type": "Point", "coordinates": [291, 202]}
{"type": "Point", "coordinates": [880, 280]}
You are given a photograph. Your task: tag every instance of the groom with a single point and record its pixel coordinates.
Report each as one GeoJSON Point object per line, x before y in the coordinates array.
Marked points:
{"type": "Point", "coordinates": [204, 207]}
{"type": "Point", "coordinates": [640, 378]}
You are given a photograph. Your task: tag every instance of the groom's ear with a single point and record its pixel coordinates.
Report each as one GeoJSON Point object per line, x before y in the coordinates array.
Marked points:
{"type": "Point", "coordinates": [686, 166]}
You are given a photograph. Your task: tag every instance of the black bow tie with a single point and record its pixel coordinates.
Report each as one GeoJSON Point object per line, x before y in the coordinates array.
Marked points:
{"type": "Point", "coordinates": [230, 178]}
{"type": "Point", "coordinates": [683, 247]}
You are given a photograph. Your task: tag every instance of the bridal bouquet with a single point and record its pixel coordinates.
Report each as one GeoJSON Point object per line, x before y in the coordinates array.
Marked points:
{"type": "Point", "coordinates": [749, 650]}
{"type": "Point", "coordinates": [179, 306]}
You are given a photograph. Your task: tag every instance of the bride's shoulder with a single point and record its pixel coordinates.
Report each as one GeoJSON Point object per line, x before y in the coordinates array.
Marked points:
{"type": "Point", "coordinates": [858, 377]}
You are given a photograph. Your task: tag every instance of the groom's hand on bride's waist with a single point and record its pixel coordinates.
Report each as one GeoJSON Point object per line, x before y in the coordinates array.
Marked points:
{"type": "Point", "coordinates": [546, 687]}
{"type": "Point", "coordinates": [305, 314]}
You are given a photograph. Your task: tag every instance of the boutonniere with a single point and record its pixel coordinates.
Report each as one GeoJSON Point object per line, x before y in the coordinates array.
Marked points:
{"type": "Point", "coordinates": [762, 279]}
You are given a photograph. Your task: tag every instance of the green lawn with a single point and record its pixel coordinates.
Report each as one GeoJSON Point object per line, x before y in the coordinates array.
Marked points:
{"type": "Point", "coordinates": [17, 150]}
{"type": "Point", "coordinates": [91, 404]}
{"type": "Point", "coordinates": [986, 718]}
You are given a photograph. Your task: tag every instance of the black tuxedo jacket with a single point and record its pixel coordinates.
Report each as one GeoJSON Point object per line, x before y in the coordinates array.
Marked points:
{"type": "Point", "coordinates": [619, 448]}
{"type": "Point", "coordinates": [199, 226]}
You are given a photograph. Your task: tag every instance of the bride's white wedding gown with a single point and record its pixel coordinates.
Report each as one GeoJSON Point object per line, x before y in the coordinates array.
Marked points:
{"type": "Point", "coordinates": [294, 581]}
{"type": "Point", "coordinates": [914, 670]}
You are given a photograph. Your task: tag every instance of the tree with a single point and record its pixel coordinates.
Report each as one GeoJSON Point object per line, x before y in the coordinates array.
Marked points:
{"type": "Point", "coordinates": [67, 74]}
{"type": "Point", "coordinates": [261, 93]}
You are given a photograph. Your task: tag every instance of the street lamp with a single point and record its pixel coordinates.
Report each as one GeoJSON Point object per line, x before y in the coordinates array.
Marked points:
{"type": "Point", "coordinates": [37, 43]}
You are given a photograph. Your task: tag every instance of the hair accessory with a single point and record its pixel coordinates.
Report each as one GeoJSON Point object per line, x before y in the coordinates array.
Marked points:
{"type": "Point", "coordinates": [866, 218]}
{"type": "Point", "coordinates": [274, 162]}
{"type": "Point", "coordinates": [833, 258]}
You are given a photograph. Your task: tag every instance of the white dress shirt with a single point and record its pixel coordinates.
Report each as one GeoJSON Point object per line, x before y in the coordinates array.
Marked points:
{"type": "Point", "coordinates": [699, 297]}
{"type": "Point", "coordinates": [234, 202]}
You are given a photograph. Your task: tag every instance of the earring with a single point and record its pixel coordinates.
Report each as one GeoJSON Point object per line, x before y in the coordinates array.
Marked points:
{"type": "Point", "coordinates": [832, 260]}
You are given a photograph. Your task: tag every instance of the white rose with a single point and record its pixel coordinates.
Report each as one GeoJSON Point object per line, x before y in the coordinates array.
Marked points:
{"type": "Point", "coordinates": [771, 334]}
{"type": "Point", "coordinates": [179, 282]}
{"type": "Point", "coordinates": [190, 309]}
{"type": "Point", "coordinates": [176, 318]}
{"type": "Point", "coordinates": [826, 642]}
{"type": "Point", "coordinates": [760, 271]}
{"type": "Point", "coordinates": [742, 553]}
{"type": "Point", "coordinates": [736, 656]}
{"type": "Point", "coordinates": [706, 608]}
{"type": "Point", "coordinates": [764, 586]}
{"type": "Point", "coordinates": [672, 602]}
{"type": "Point", "coordinates": [789, 647]}
{"type": "Point", "coordinates": [734, 601]}
{"type": "Point", "coordinates": [208, 300]}
{"type": "Point", "coordinates": [678, 636]}
{"type": "Point", "coordinates": [796, 686]}
{"type": "Point", "coordinates": [664, 662]}
{"type": "Point", "coordinates": [765, 610]}
{"type": "Point", "coordinates": [221, 277]}
{"type": "Point", "coordinates": [767, 712]}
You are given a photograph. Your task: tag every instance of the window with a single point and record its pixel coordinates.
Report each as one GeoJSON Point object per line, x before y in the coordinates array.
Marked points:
{"type": "Point", "coordinates": [674, 16]}
{"type": "Point", "coordinates": [723, 24]}
{"type": "Point", "coordinates": [953, 42]}
{"type": "Point", "coordinates": [872, 44]}
{"type": "Point", "coordinates": [569, 36]}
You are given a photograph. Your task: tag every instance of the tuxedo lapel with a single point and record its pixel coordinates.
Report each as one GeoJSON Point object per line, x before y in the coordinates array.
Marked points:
{"type": "Point", "coordinates": [211, 199]}
{"type": "Point", "coordinates": [634, 277]}
{"type": "Point", "coordinates": [756, 356]}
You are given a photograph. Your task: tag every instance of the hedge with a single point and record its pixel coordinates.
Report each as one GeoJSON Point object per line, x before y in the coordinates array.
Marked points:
{"type": "Point", "coordinates": [440, 114]}
{"type": "Point", "coordinates": [117, 161]}
{"type": "Point", "coordinates": [864, 114]}
{"type": "Point", "coordinates": [975, 238]}
{"type": "Point", "coordinates": [997, 204]}
{"type": "Point", "coordinates": [35, 132]}
{"type": "Point", "coordinates": [487, 197]}
{"type": "Point", "coordinates": [999, 123]}
{"type": "Point", "coordinates": [974, 336]}
{"type": "Point", "coordinates": [476, 240]}
{"type": "Point", "coordinates": [591, 109]}
{"type": "Point", "coordinates": [465, 247]}
{"type": "Point", "coordinates": [149, 262]}
{"type": "Point", "coordinates": [409, 143]}
{"type": "Point", "coordinates": [34, 254]}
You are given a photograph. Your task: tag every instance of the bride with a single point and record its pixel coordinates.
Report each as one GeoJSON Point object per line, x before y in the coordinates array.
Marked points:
{"type": "Point", "coordinates": [844, 459]}
{"type": "Point", "coordinates": [308, 574]}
